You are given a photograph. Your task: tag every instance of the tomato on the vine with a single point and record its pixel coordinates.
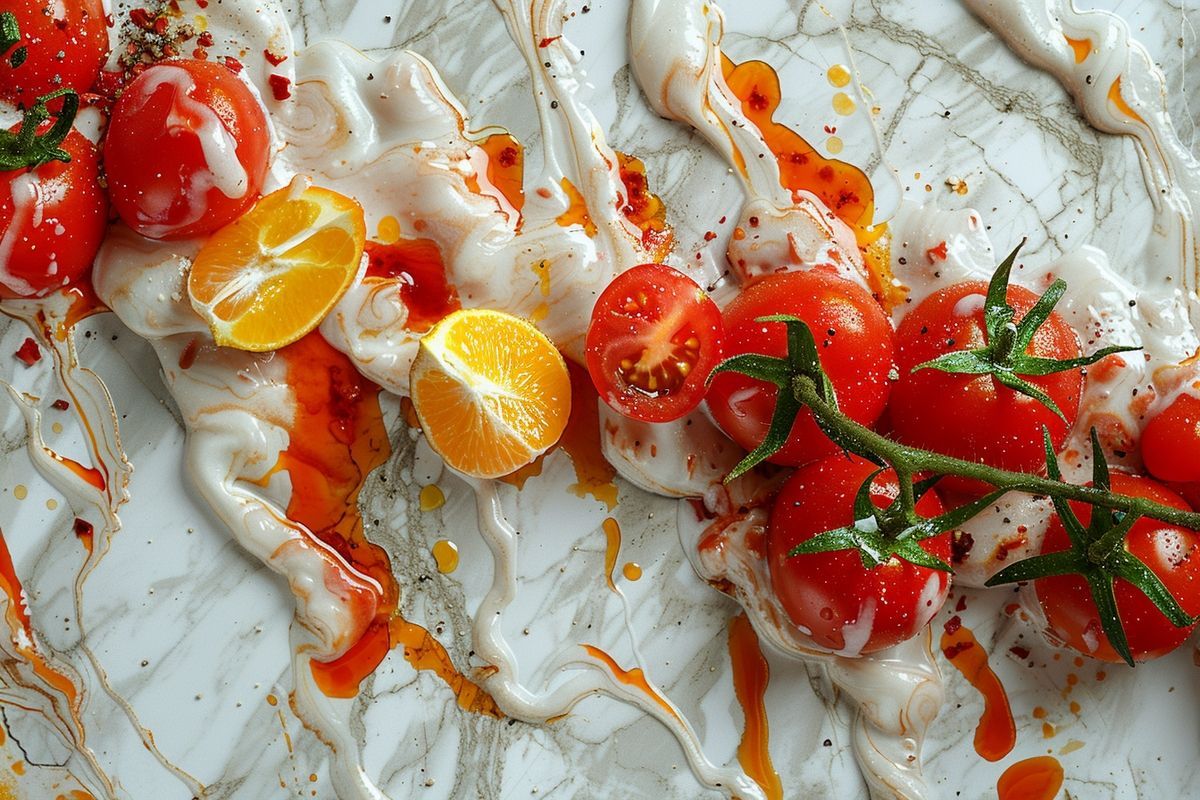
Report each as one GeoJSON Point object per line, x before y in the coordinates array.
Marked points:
{"type": "Point", "coordinates": [975, 417]}
{"type": "Point", "coordinates": [64, 46]}
{"type": "Point", "coordinates": [52, 220]}
{"type": "Point", "coordinates": [844, 606]}
{"type": "Point", "coordinates": [186, 151]}
{"type": "Point", "coordinates": [855, 342]}
{"type": "Point", "coordinates": [654, 337]}
{"type": "Point", "coordinates": [1168, 550]}
{"type": "Point", "coordinates": [1171, 441]}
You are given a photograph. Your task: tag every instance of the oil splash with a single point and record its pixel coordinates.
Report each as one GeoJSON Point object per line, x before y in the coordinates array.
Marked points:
{"type": "Point", "coordinates": [751, 675]}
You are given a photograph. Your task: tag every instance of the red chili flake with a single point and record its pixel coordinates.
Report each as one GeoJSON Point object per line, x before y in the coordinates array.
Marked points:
{"type": "Point", "coordinates": [281, 87]}
{"type": "Point", "coordinates": [1020, 652]}
{"type": "Point", "coordinates": [754, 222]}
{"type": "Point", "coordinates": [826, 173]}
{"type": "Point", "coordinates": [206, 39]}
{"type": "Point", "coordinates": [757, 100]}
{"type": "Point", "coordinates": [233, 65]}
{"type": "Point", "coordinates": [952, 625]}
{"type": "Point", "coordinates": [938, 253]}
{"type": "Point", "coordinates": [274, 59]}
{"type": "Point", "coordinates": [721, 221]}
{"type": "Point", "coordinates": [142, 19]}
{"type": "Point", "coordinates": [29, 352]}
{"type": "Point", "coordinates": [202, 3]}
{"type": "Point", "coordinates": [953, 651]}
{"type": "Point", "coordinates": [962, 604]}
{"type": "Point", "coordinates": [200, 54]}
{"type": "Point", "coordinates": [831, 129]}
{"type": "Point", "coordinates": [160, 26]}
{"type": "Point", "coordinates": [960, 546]}
{"type": "Point", "coordinates": [83, 528]}
{"type": "Point", "coordinates": [60, 405]}
{"type": "Point", "coordinates": [548, 41]}
{"type": "Point", "coordinates": [709, 236]}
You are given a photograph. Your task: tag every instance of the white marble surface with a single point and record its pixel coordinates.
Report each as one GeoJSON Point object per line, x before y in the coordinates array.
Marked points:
{"type": "Point", "coordinates": [193, 634]}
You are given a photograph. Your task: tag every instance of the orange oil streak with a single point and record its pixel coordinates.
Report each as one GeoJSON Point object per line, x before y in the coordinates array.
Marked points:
{"type": "Point", "coordinates": [1081, 47]}
{"type": "Point", "coordinates": [84, 303]}
{"type": "Point", "coordinates": [505, 168]}
{"type": "Point", "coordinates": [631, 677]}
{"type": "Point", "coordinates": [337, 439]}
{"type": "Point", "coordinates": [1037, 778]}
{"type": "Point", "coordinates": [580, 440]}
{"type": "Point", "coordinates": [751, 674]}
{"type": "Point", "coordinates": [841, 186]}
{"type": "Point", "coordinates": [418, 268]}
{"type": "Point", "coordinates": [21, 633]}
{"type": "Point", "coordinates": [643, 208]}
{"type": "Point", "coordinates": [612, 549]}
{"type": "Point", "coordinates": [577, 212]}
{"type": "Point", "coordinates": [90, 475]}
{"type": "Point", "coordinates": [1114, 97]}
{"type": "Point", "coordinates": [996, 733]}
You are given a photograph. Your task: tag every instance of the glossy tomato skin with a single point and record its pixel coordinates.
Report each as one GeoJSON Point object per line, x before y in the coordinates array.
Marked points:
{"type": "Point", "coordinates": [974, 417]}
{"type": "Point", "coordinates": [1171, 441]}
{"type": "Point", "coordinates": [186, 150]}
{"type": "Point", "coordinates": [845, 606]}
{"type": "Point", "coordinates": [52, 221]}
{"type": "Point", "coordinates": [66, 44]}
{"type": "Point", "coordinates": [654, 337]}
{"type": "Point", "coordinates": [1168, 550]}
{"type": "Point", "coordinates": [856, 346]}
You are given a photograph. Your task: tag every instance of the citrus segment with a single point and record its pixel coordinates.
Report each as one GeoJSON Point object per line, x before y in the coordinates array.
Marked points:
{"type": "Point", "coordinates": [491, 392]}
{"type": "Point", "coordinates": [271, 276]}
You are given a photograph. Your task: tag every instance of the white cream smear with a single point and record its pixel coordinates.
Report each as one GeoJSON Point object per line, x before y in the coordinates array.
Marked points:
{"type": "Point", "coordinates": [391, 135]}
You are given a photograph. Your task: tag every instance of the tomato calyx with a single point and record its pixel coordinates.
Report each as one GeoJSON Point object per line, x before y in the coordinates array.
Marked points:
{"type": "Point", "coordinates": [26, 149]}
{"type": "Point", "coordinates": [10, 35]}
{"type": "Point", "coordinates": [880, 534]}
{"type": "Point", "coordinates": [1098, 554]}
{"type": "Point", "coordinates": [1004, 356]}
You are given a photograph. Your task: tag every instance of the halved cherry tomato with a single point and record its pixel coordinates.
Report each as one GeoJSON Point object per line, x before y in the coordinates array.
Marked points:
{"type": "Point", "coordinates": [1168, 550]}
{"type": "Point", "coordinates": [974, 417]}
{"type": "Point", "coordinates": [1171, 441]}
{"type": "Point", "coordinates": [654, 338]}
{"type": "Point", "coordinates": [52, 221]}
{"type": "Point", "coordinates": [186, 151]}
{"type": "Point", "coordinates": [65, 44]}
{"type": "Point", "coordinates": [844, 606]}
{"type": "Point", "coordinates": [855, 342]}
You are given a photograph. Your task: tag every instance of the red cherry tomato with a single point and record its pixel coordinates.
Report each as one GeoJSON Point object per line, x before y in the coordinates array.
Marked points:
{"type": "Point", "coordinates": [1171, 441]}
{"type": "Point", "coordinates": [974, 417]}
{"type": "Point", "coordinates": [856, 346]}
{"type": "Point", "coordinates": [186, 151]}
{"type": "Point", "coordinates": [52, 221]}
{"type": "Point", "coordinates": [66, 44]}
{"type": "Point", "coordinates": [1169, 551]}
{"type": "Point", "coordinates": [654, 338]}
{"type": "Point", "coordinates": [845, 606]}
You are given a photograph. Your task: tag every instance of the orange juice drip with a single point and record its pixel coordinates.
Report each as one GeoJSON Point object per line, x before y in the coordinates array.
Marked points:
{"type": "Point", "coordinates": [594, 476]}
{"type": "Point", "coordinates": [21, 629]}
{"type": "Point", "coordinates": [1082, 48]}
{"type": "Point", "coordinates": [337, 438]}
{"type": "Point", "coordinates": [1037, 778]}
{"type": "Point", "coordinates": [751, 674]}
{"type": "Point", "coordinates": [418, 266]}
{"type": "Point", "coordinates": [505, 168]}
{"type": "Point", "coordinates": [996, 733]}
{"type": "Point", "coordinates": [1115, 97]}
{"type": "Point", "coordinates": [577, 213]}
{"type": "Point", "coordinates": [644, 208]}
{"type": "Point", "coordinates": [631, 677]}
{"type": "Point", "coordinates": [612, 549]}
{"type": "Point", "coordinates": [843, 187]}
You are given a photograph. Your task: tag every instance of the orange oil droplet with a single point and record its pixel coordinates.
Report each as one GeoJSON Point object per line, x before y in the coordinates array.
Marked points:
{"type": "Point", "coordinates": [388, 231]}
{"type": "Point", "coordinates": [505, 170]}
{"type": "Point", "coordinates": [1115, 97]}
{"type": "Point", "coordinates": [1081, 47]}
{"type": "Point", "coordinates": [18, 767]}
{"type": "Point", "coordinates": [431, 497]}
{"type": "Point", "coordinates": [577, 212]}
{"type": "Point", "coordinates": [1037, 778]}
{"type": "Point", "coordinates": [1070, 747]}
{"type": "Point", "coordinates": [20, 491]}
{"type": "Point", "coordinates": [632, 571]}
{"type": "Point", "coordinates": [844, 104]}
{"type": "Point", "coordinates": [631, 677]}
{"type": "Point", "coordinates": [751, 675]}
{"type": "Point", "coordinates": [1047, 730]}
{"type": "Point", "coordinates": [612, 548]}
{"type": "Point", "coordinates": [996, 733]}
{"type": "Point", "coordinates": [445, 553]}
{"type": "Point", "coordinates": [838, 75]}
{"type": "Point", "coordinates": [272, 700]}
